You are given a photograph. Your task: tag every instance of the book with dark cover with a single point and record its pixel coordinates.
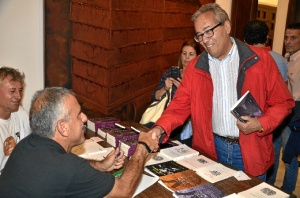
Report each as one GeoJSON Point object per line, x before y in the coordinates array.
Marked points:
{"type": "Point", "coordinates": [129, 146]}
{"type": "Point", "coordinates": [165, 168]}
{"type": "Point", "coordinates": [95, 123]}
{"type": "Point", "coordinates": [113, 136]}
{"type": "Point", "coordinates": [246, 106]}
{"type": "Point", "coordinates": [205, 190]}
{"type": "Point", "coordinates": [182, 180]}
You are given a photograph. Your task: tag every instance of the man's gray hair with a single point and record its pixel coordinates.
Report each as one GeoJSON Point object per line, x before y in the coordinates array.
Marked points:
{"type": "Point", "coordinates": [47, 108]}
{"type": "Point", "coordinates": [219, 14]}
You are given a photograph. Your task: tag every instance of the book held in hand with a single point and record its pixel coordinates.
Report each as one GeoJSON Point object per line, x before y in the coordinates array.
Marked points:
{"type": "Point", "coordinates": [246, 106]}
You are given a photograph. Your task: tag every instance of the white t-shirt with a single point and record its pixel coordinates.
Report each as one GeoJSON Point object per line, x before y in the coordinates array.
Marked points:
{"type": "Point", "coordinates": [14, 129]}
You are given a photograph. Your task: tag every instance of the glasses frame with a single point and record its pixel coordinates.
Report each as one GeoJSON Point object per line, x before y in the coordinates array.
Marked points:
{"type": "Point", "coordinates": [196, 38]}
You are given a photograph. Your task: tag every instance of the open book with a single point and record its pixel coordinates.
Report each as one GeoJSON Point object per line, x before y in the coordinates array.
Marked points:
{"type": "Point", "coordinates": [246, 106]}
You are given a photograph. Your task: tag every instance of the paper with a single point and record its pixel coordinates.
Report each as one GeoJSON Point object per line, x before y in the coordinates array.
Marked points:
{"type": "Point", "coordinates": [179, 152]}
{"type": "Point", "coordinates": [215, 173]}
{"type": "Point", "coordinates": [263, 190]}
{"type": "Point", "coordinates": [145, 182]}
{"type": "Point", "coordinates": [196, 162]}
{"type": "Point", "coordinates": [241, 176]}
{"type": "Point", "coordinates": [91, 150]}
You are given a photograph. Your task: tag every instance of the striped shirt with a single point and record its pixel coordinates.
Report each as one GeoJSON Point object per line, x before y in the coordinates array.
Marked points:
{"type": "Point", "coordinates": [224, 75]}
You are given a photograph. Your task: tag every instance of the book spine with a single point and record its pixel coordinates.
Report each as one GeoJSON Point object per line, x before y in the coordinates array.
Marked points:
{"type": "Point", "coordinates": [237, 115]}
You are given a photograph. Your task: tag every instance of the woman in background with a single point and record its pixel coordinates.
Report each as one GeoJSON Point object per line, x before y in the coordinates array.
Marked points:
{"type": "Point", "coordinates": [189, 50]}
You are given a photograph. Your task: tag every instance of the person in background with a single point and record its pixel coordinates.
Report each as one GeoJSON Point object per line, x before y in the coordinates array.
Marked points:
{"type": "Point", "coordinates": [14, 122]}
{"type": "Point", "coordinates": [41, 165]}
{"type": "Point", "coordinates": [292, 148]}
{"type": "Point", "coordinates": [256, 34]}
{"type": "Point", "coordinates": [189, 50]}
{"type": "Point", "coordinates": [212, 84]}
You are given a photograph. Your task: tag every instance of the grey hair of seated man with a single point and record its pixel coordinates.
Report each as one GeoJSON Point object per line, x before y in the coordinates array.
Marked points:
{"type": "Point", "coordinates": [48, 107]}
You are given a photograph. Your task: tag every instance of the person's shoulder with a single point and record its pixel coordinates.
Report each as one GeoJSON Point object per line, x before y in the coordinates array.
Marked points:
{"type": "Point", "coordinates": [278, 57]}
{"type": "Point", "coordinates": [20, 114]}
{"type": "Point", "coordinates": [275, 54]}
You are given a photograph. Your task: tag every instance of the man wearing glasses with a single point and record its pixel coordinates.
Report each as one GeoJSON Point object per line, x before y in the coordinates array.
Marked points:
{"type": "Point", "coordinates": [212, 84]}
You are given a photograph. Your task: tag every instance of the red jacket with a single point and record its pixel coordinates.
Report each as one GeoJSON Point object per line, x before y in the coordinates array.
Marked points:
{"type": "Point", "coordinates": [259, 74]}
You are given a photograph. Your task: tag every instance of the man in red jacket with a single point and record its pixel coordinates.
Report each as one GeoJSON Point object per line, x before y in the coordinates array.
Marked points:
{"type": "Point", "coordinates": [212, 84]}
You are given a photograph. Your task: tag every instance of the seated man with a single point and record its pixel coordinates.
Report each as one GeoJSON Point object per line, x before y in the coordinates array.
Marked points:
{"type": "Point", "coordinates": [42, 165]}
{"type": "Point", "coordinates": [14, 122]}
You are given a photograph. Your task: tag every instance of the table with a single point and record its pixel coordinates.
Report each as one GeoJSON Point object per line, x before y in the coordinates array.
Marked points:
{"type": "Point", "coordinates": [228, 186]}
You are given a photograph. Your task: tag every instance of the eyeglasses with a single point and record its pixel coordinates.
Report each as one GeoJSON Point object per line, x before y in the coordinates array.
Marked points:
{"type": "Point", "coordinates": [208, 33]}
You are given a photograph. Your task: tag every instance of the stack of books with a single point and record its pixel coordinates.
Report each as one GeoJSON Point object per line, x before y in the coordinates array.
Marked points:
{"type": "Point", "coordinates": [128, 146]}
{"type": "Point", "coordinates": [95, 123]}
{"type": "Point", "coordinates": [114, 136]}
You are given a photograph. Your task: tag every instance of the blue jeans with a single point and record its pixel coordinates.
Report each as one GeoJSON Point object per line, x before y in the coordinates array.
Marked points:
{"type": "Point", "coordinates": [230, 154]}
{"type": "Point", "coordinates": [280, 137]}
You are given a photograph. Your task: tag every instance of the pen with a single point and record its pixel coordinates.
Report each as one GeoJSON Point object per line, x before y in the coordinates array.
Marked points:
{"type": "Point", "coordinates": [136, 130]}
{"type": "Point", "coordinates": [119, 149]}
{"type": "Point", "coordinates": [121, 126]}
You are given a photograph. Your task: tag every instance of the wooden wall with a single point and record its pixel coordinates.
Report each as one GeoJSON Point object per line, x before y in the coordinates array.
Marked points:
{"type": "Point", "coordinates": [139, 41]}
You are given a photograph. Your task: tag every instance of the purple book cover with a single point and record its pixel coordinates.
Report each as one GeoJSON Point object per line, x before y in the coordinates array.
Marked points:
{"type": "Point", "coordinates": [205, 190]}
{"type": "Point", "coordinates": [104, 122]}
{"type": "Point", "coordinates": [132, 143]}
{"type": "Point", "coordinates": [121, 134]}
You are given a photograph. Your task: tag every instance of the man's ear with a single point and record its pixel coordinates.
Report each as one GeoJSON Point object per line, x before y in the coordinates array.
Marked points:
{"type": "Point", "coordinates": [227, 26]}
{"type": "Point", "coordinates": [62, 128]}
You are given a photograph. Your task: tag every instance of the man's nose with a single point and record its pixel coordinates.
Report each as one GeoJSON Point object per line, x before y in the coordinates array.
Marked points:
{"type": "Point", "coordinates": [84, 117]}
{"type": "Point", "coordinates": [18, 94]}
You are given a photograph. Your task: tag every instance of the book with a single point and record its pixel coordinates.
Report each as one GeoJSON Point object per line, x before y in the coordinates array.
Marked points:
{"type": "Point", "coordinates": [91, 150]}
{"type": "Point", "coordinates": [157, 158]}
{"type": "Point", "coordinates": [179, 152]}
{"type": "Point", "coordinates": [263, 190]}
{"type": "Point", "coordinates": [114, 136]}
{"type": "Point", "coordinates": [164, 168]}
{"type": "Point", "coordinates": [196, 162]}
{"type": "Point", "coordinates": [246, 106]}
{"type": "Point", "coordinates": [95, 123]}
{"type": "Point", "coordinates": [128, 146]}
{"type": "Point", "coordinates": [233, 195]}
{"type": "Point", "coordinates": [215, 172]}
{"type": "Point", "coordinates": [145, 182]}
{"type": "Point", "coordinates": [181, 180]}
{"type": "Point", "coordinates": [205, 190]}
{"type": "Point", "coordinates": [102, 131]}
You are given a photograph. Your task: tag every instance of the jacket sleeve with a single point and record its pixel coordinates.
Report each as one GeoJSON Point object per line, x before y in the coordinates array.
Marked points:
{"type": "Point", "coordinates": [275, 97]}
{"type": "Point", "coordinates": [179, 108]}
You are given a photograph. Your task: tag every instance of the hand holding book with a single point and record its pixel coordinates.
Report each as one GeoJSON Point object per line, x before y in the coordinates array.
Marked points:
{"type": "Point", "coordinates": [246, 106]}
